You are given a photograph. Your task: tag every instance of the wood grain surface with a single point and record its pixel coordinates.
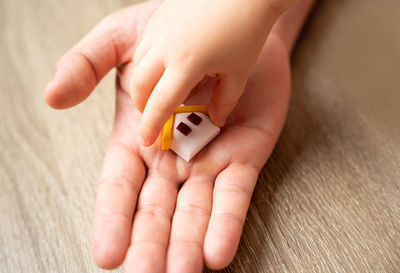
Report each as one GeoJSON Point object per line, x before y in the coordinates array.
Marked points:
{"type": "Point", "coordinates": [328, 200]}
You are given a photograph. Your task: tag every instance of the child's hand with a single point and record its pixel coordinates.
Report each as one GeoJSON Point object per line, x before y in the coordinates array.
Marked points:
{"type": "Point", "coordinates": [186, 40]}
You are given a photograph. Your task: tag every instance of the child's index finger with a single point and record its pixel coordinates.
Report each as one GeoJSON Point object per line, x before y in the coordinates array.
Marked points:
{"type": "Point", "coordinates": [171, 90]}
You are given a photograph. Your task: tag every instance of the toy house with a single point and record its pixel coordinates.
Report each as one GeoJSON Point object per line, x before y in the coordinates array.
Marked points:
{"type": "Point", "coordinates": [188, 131]}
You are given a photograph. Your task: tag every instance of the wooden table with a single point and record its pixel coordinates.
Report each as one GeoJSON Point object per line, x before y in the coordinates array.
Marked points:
{"type": "Point", "coordinates": [328, 200]}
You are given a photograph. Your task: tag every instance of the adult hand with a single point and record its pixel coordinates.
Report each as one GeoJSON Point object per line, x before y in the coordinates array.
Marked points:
{"type": "Point", "coordinates": [154, 210]}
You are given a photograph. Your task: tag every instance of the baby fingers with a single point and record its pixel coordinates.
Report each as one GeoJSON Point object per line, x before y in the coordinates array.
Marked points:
{"type": "Point", "coordinates": [170, 91]}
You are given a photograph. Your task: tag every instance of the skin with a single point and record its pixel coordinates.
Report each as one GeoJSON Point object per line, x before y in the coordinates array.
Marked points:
{"type": "Point", "coordinates": [178, 49]}
{"type": "Point", "coordinates": [154, 211]}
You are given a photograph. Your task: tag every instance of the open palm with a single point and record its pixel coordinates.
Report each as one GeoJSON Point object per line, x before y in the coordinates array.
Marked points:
{"type": "Point", "coordinates": [155, 211]}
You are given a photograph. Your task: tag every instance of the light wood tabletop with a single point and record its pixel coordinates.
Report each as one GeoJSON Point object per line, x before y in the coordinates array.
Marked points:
{"type": "Point", "coordinates": [328, 200]}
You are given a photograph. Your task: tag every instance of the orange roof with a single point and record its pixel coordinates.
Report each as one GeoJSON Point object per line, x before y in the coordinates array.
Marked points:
{"type": "Point", "coordinates": [168, 126]}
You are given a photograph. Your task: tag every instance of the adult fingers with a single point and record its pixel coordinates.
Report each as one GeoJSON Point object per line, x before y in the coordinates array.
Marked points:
{"type": "Point", "coordinates": [231, 197]}
{"type": "Point", "coordinates": [109, 44]}
{"type": "Point", "coordinates": [189, 225]}
{"type": "Point", "coordinates": [170, 91]}
{"type": "Point", "coordinates": [151, 225]}
{"type": "Point", "coordinates": [225, 97]}
{"type": "Point", "coordinates": [121, 179]}
{"type": "Point", "coordinates": [193, 209]}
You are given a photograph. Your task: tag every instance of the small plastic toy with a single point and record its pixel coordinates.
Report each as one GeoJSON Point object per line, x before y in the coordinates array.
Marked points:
{"type": "Point", "coordinates": [188, 131]}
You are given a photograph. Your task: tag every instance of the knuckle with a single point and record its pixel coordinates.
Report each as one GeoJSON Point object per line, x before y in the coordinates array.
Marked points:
{"type": "Point", "coordinates": [235, 188]}
{"type": "Point", "coordinates": [155, 242]}
{"type": "Point", "coordinates": [229, 216]}
{"type": "Point", "coordinates": [187, 57]}
{"type": "Point", "coordinates": [156, 210]}
{"type": "Point", "coordinates": [186, 242]}
{"type": "Point", "coordinates": [112, 215]}
{"type": "Point", "coordinates": [194, 209]}
{"type": "Point", "coordinates": [187, 61]}
{"type": "Point", "coordinates": [118, 184]}
{"type": "Point", "coordinates": [160, 104]}
{"type": "Point", "coordinates": [227, 103]}
{"type": "Point", "coordinates": [221, 104]}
